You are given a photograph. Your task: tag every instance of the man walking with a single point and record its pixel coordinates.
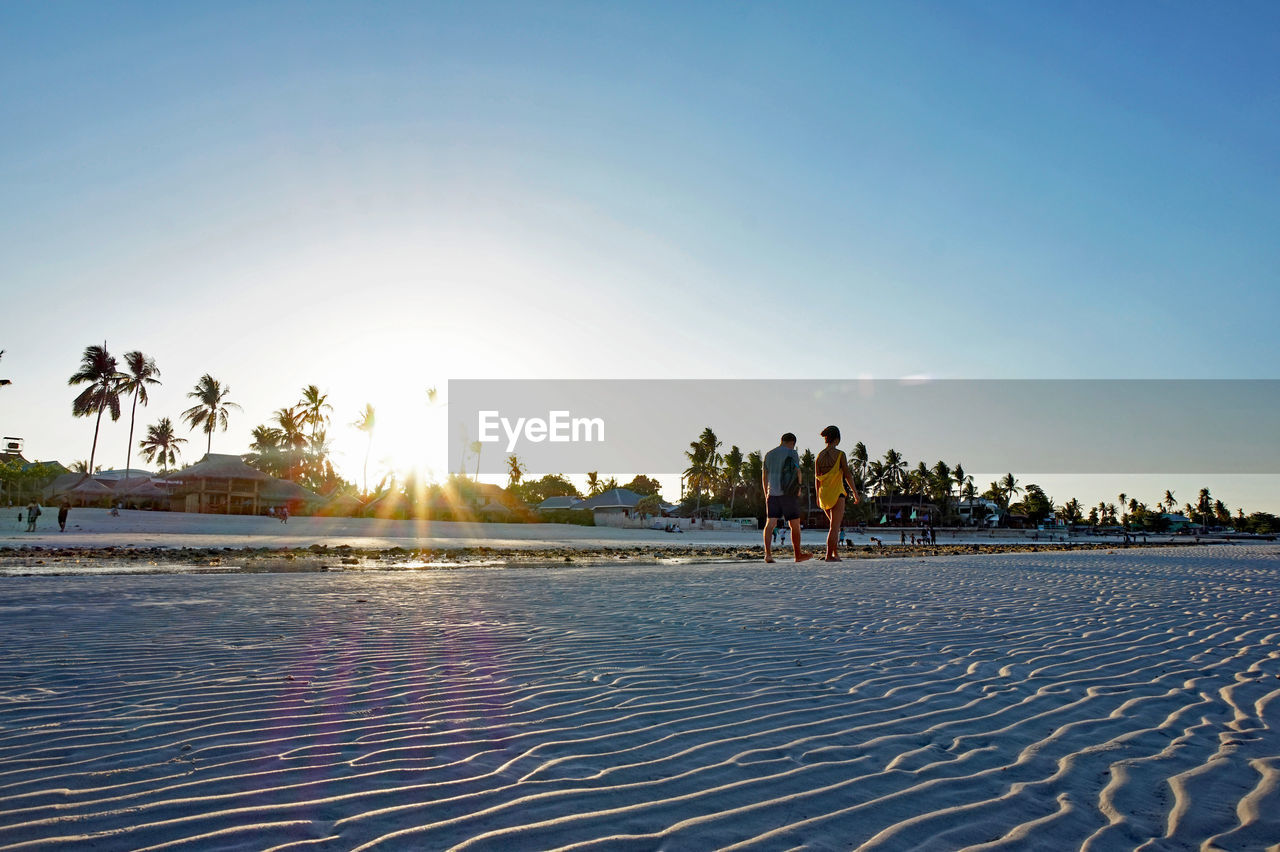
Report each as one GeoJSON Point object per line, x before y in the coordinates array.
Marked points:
{"type": "Point", "coordinates": [781, 482]}
{"type": "Point", "coordinates": [33, 512]}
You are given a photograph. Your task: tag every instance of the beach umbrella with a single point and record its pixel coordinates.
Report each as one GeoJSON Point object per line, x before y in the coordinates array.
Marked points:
{"type": "Point", "coordinates": [884, 519]}
{"type": "Point", "coordinates": [913, 514]}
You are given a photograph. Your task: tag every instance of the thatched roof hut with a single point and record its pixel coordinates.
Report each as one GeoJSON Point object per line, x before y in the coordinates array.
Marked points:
{"type": "Point", "coordinates": [80, 489]}
{"type": "Point", "coordinates": [282, 492]}
{"type": "Point", "coordinates": [221, 484]}
{"type": "Point", "coordinates": [218, 466]}
{"type": "Point", "coordinates": [141, 491]}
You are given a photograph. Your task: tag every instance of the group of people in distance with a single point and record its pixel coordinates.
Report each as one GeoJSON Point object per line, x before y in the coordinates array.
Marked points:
{"type": "Point", "coordinates": [833, 482]}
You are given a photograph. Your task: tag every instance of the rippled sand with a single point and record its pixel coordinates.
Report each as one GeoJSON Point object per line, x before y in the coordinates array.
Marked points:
{"type": "Point", "coordinates": [1026, 701]}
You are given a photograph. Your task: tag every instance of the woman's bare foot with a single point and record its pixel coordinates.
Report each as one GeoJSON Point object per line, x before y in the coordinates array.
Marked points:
{"type": "Point", "coordinates": [770, 559]}
{"type": "Point", "coordinates": [832, 559]}
{"type": "Point", "coordinates": [803, 557]}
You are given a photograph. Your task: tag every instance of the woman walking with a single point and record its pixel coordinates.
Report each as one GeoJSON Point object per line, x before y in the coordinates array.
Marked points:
{"type": "Point", "coordinates": [833, 475]}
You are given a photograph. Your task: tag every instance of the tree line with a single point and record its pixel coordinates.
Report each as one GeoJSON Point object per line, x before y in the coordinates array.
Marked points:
{"type": "Point", "coordinates": [728, 483]}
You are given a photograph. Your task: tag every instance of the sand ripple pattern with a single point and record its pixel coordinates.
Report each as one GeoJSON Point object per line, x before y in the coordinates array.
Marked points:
{"type": "Point", "coordinates": [1094, 700]}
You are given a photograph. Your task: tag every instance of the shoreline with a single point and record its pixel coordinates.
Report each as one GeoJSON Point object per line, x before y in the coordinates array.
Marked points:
{"type": "Point", "coordinates": [39, 560]}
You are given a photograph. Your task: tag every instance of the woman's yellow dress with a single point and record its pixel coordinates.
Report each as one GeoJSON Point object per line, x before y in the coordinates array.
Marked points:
{"type": "Point", "coordinates": [831, 483]}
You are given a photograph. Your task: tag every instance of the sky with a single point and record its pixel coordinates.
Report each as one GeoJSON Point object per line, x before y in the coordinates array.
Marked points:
{"type": "Point", "coordinates": [379, 198]}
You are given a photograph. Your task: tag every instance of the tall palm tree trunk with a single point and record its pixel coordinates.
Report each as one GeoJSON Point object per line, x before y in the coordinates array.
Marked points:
{"type": "Point", "coordinates": [97, 425]}
{"type": "Point", "coordinates": [128, 452]}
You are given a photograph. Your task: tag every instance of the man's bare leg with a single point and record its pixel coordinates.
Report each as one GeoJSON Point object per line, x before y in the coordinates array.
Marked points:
{"type": "Point", "coordinates": [768, 539]}
{"type": "Point", "coordinates": [795, 541]}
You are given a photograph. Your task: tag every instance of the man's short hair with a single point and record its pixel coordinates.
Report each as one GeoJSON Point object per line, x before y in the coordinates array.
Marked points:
{"type": "Point", "coordinates": [788, 438]}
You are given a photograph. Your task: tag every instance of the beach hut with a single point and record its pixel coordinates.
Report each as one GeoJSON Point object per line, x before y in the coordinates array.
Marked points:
{"type": "Point", "coordinates": [141, 493]}
{"type": "Point", "coordinates": [283, 494]}
{"type": "Point", "coordinates": [496, 513]}
{"type": "Point", "coordinates": [79, 489]}
{"type": "Point", "coordinates": [218, 484]}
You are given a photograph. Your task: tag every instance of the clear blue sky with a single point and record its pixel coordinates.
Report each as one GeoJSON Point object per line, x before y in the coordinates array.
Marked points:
{"type": "Point", "coordinates": [379, 197]}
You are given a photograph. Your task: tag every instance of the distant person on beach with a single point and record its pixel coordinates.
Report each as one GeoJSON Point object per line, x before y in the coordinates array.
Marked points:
{"type": "Point", "coordinates": [781, 483]}
{"type": "Point", "coordinates": [63, 511]}
{"type": "Point", "coordinates": [284, 514]}
{"type": "Point", "coordinates": [834, 484]}
{"type": "Point", "coordinates": [33, 512]}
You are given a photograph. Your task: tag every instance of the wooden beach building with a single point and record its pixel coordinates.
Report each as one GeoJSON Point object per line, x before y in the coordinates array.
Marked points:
{"type": "Point", "coordinates": [224, 485]}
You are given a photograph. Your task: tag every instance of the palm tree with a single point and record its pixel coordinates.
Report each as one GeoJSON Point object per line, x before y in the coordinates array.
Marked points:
{"type": "Point", "coordinates": [593, 483]}
{"type": "Point", "coordinates": [316, 468]}
{"type": "Point", "coordinates": [1071, 511]}
{"type": "Point", "coordinates": [515, 471]}
{"type": "Point", "coordinates": [876, 476]}
{"type": "Point", "coordinates": [98, 370]}
{"type": "Point", "coordinates": [292, 440]}
{"type": "Point", "coordinates": [858, 459]}
{"type": "Point", "coordinates": [808, 477]}
{"type": "Point", "coordinates": [1123, 499]}
{"type": "Point", "coordinates": [894, 472]}
{"type": "Point", "coordinates": [1009, 488]}
{"type": "Point", "coordinates": [4, 382]}
{"type": "Point", "coordinates": [1203, 503]}
{"type": "Point", "coordinates": [733, 466]}
{"type": "Point", "coordinates": [965, 487]}
{"type": "Point", "coordinates": [704, 464]}
{"type": "Point", "coordinates": [921, 482]}
{"type": "Point", "coordinates": [314, 405]}
{"type": "Point", "coordinates": [1169, 501]}
{"type": "Point", "coordinates": [140, 371]}
{"type": "Point", "coordinates": [366, 423]}
{"type": "Point", "coordinates": [942, 484]}
{"type": "Point", "coordinates": [161, 444]}
{"type": "Point", "coordinates": [211, 409]}
{"type": "Point", "coordinates": [711, 457]}
{"type": "Point", "coordinates": [266, 450]}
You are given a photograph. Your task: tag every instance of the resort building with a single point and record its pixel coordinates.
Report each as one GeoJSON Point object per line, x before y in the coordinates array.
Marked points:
{"type": "Point", "coordinates": [225, 485]}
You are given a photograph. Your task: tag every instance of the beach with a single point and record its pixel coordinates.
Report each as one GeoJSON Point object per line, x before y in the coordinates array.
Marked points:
{"type": "Point", "coordinates": [96, 542]}
{"type": "Point", "coordinates": [1097, 699]}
